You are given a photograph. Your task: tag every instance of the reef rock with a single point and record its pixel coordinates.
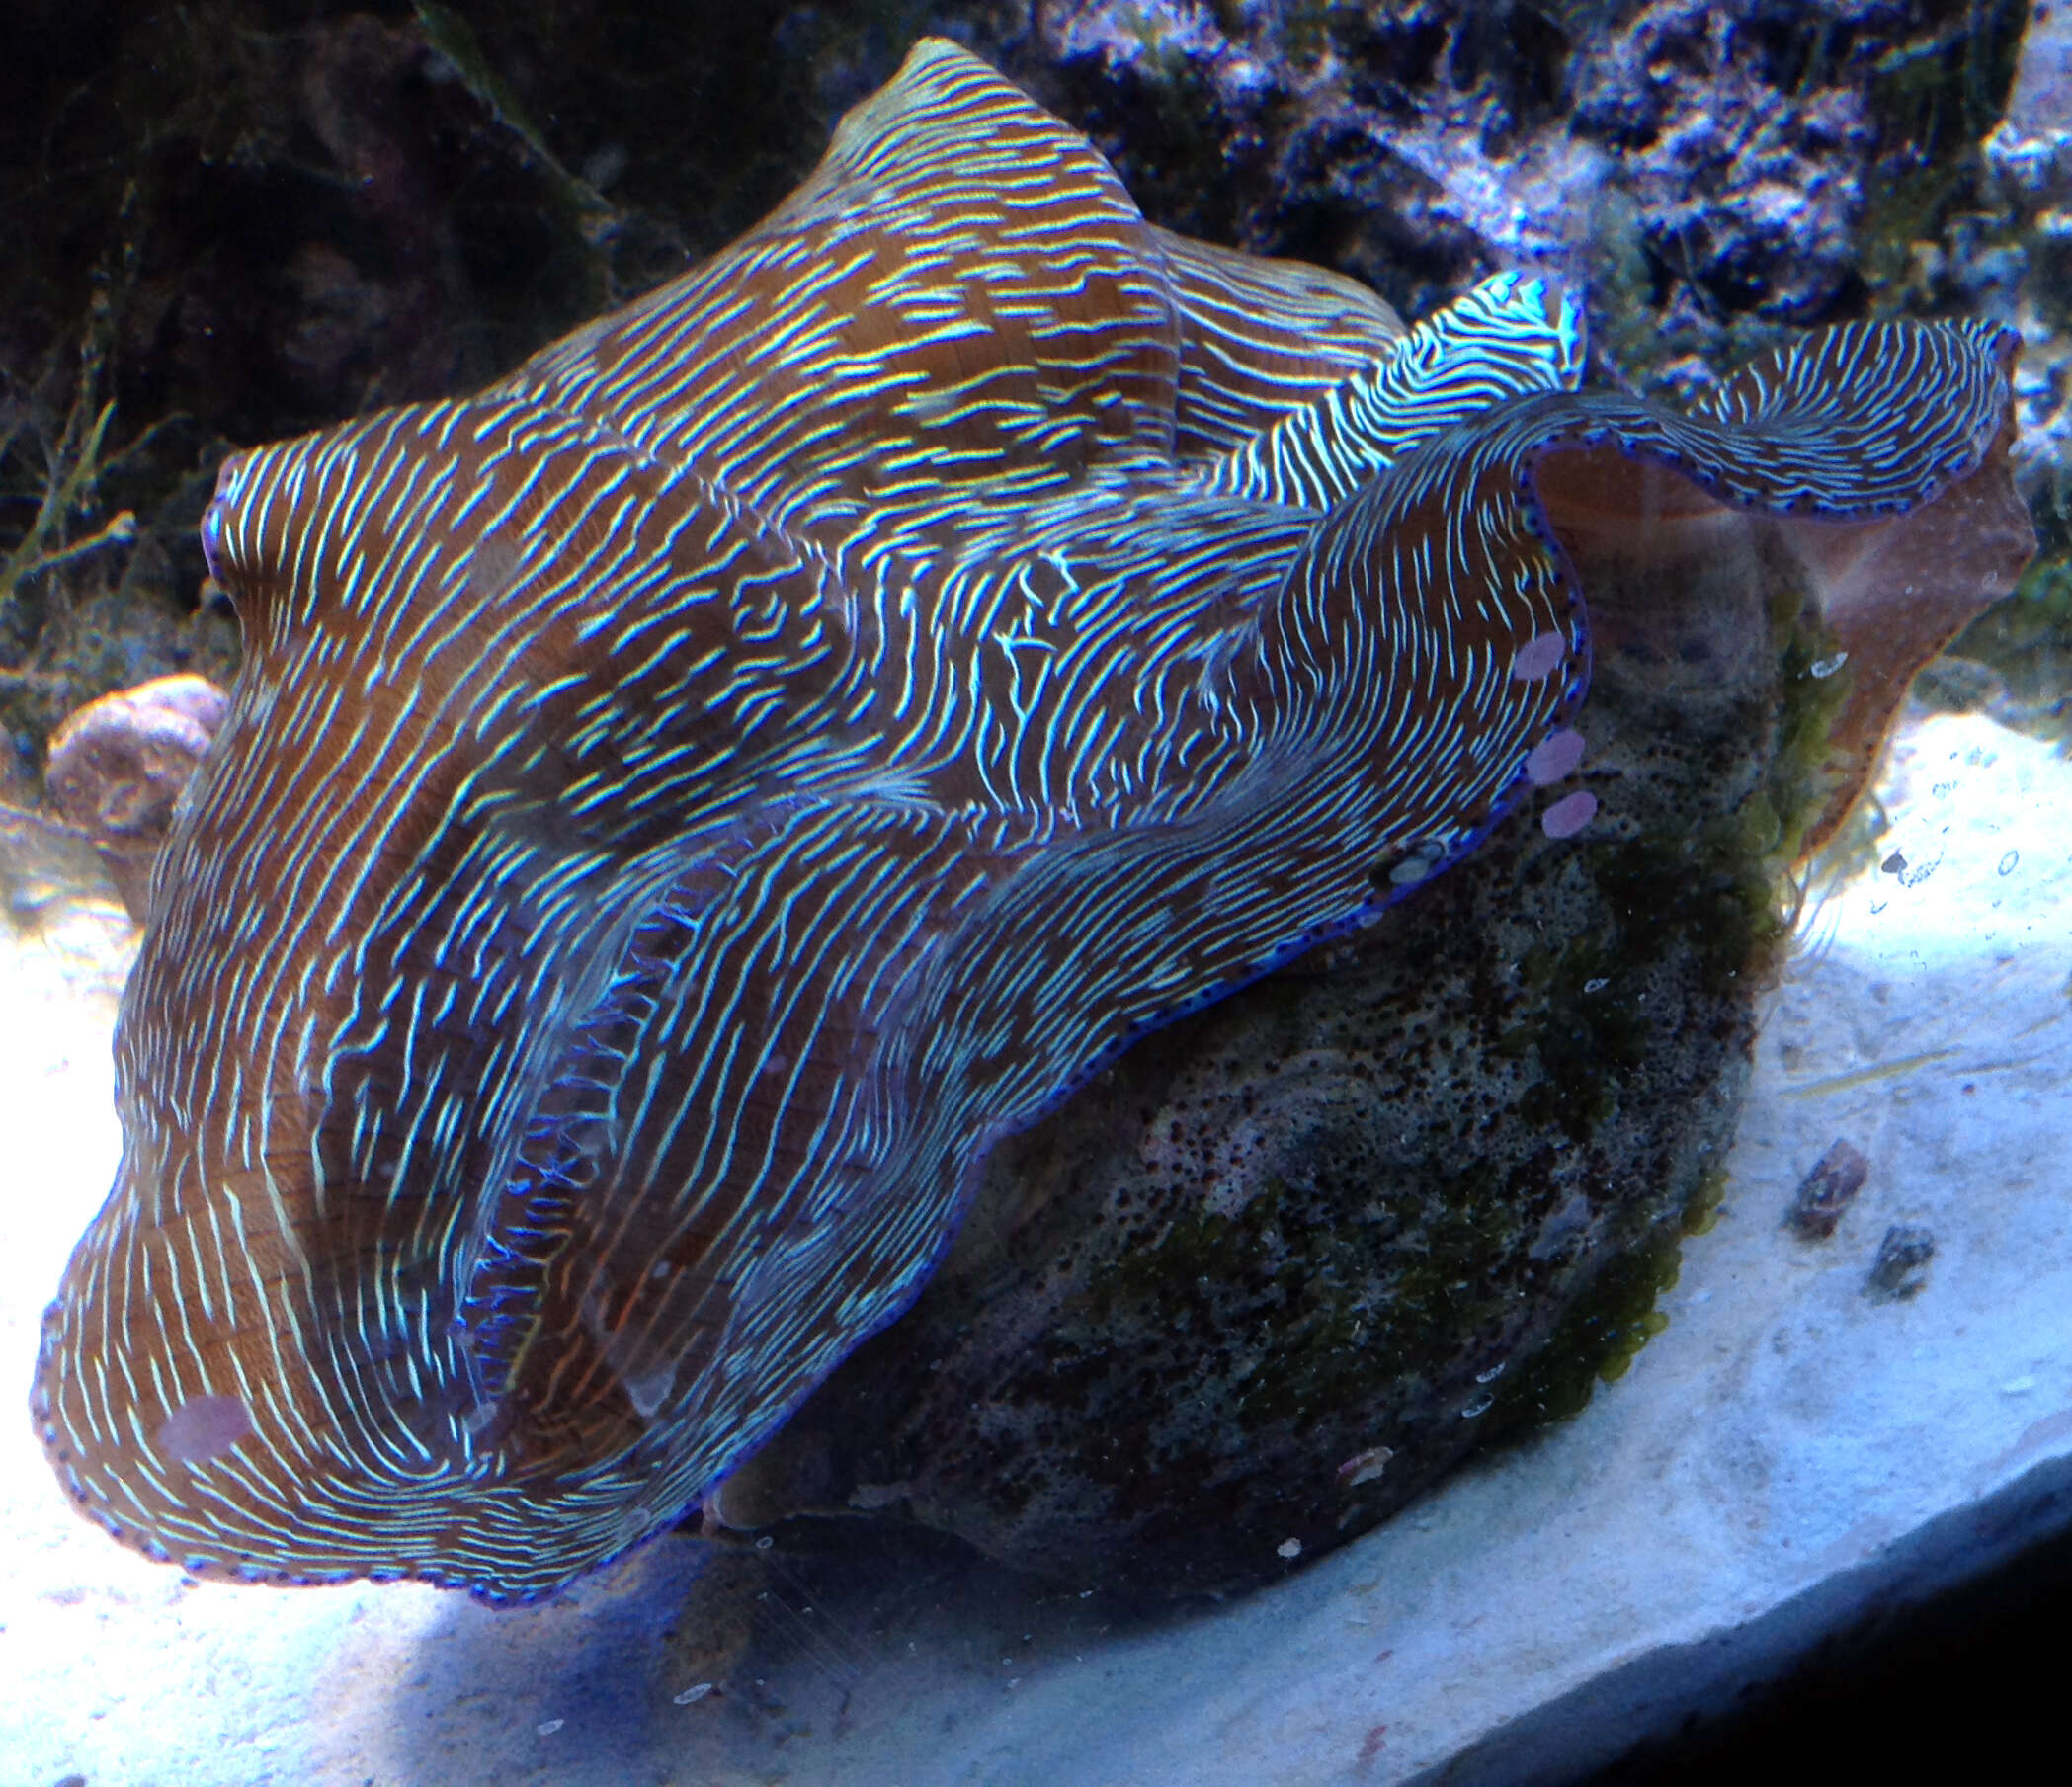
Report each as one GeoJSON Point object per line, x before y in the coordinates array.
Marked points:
{"type": "Point", "coordinates": [117, 766]}
{"type": "Point", "coordinates": [1716, 168]}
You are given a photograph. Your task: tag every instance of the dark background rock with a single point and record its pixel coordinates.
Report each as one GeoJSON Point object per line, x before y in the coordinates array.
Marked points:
{"type": "Point", "coordinates": [1701, 170]}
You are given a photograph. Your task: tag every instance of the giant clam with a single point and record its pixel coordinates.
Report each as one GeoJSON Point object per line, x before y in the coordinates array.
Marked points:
{"type": "Point", "coordinates": [683, 806]}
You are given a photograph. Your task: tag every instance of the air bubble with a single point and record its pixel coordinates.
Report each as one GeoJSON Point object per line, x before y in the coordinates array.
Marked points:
{"type": "Point", "coordinates": [202, 1429]}
{"type": "Point", "coordinates": [1554, 757]}
{"type": "Point", "coordinates": [1538, 657]}
{"type": "Point", "coordinates": [1569, 815]}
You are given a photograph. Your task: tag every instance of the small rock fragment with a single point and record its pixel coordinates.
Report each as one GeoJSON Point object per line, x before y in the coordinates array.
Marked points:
{"type": "Point", "coordinates": [118, 764]}
{"type": "Point", "coordinates": [1364, 1467]}
{"type": "Point", "coordinates": [1901, 1267]}
{"type": "Point", "coordinates": [116, 767]}
{"type": "Point", "coordinates": [1826, 1192]}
